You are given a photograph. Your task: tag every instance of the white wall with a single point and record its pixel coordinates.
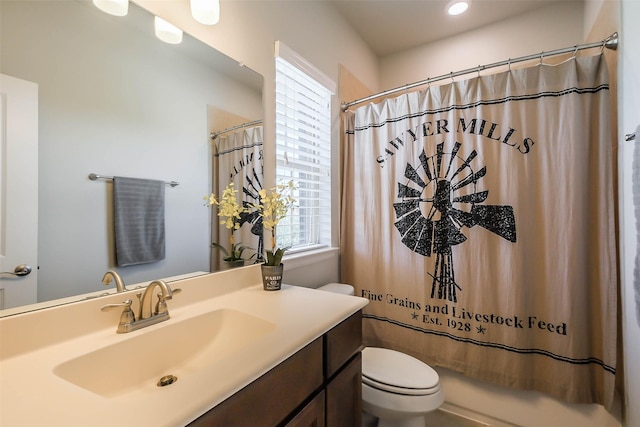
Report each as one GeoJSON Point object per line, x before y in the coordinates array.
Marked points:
{"type": "Point", "coordinates": [519, 36]}
{"type": "Point", "coordinates": [629, 119]}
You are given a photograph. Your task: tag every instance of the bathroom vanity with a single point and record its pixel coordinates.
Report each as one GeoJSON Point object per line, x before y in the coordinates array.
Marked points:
{"type": "Point", "coordinates": [238, 355]}
{"type": "Point", "coordinates": [320, 385]}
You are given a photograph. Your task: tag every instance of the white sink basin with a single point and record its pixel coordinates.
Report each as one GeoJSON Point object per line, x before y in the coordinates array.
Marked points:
{"type": "Point", "coordinates": [178, 348]}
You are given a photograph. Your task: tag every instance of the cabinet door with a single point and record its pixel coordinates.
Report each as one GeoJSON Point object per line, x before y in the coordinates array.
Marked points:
{"type": "Point", "coordinates": [311, 415]}
{"type": "Point", "coordinates": [344, 396]}
{"type": "Point", "coordinates": [270, 399]}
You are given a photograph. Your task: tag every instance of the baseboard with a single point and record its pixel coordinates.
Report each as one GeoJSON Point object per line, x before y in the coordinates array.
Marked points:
{"type": "Point", "coordinates": [454, 415]}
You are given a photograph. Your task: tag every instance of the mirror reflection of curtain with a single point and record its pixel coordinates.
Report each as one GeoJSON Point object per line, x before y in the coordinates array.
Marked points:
{"type": "Point", "coordinates": [238, 159]}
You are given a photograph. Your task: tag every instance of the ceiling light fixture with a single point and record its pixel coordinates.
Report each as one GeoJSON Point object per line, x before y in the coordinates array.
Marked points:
{"type": "Point", "coordinates": [456, 7]}
{"type": "Point", "coordinates": [113, 7]}
{"type": "Point", "coordinates": [167, 32]}
{"type": "Point", "coordinates": [206, 12]}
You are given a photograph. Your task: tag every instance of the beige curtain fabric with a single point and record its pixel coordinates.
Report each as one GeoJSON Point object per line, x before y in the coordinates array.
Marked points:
{"type": "Point", "coordinates": [478, 219]}
{"type": "Point", "coordinates": [238, 159]}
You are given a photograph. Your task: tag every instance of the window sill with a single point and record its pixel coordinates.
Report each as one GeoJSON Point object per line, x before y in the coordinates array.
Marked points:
{"type": "Point", "coordinates": [305, 258]}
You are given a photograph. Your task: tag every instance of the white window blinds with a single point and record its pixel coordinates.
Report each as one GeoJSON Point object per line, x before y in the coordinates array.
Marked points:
{"type": "Point", "coordinates": [303, 150]}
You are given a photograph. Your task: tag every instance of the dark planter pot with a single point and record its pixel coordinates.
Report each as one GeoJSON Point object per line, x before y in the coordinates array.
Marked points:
{"type": "Point", "coordinates": [272, 277]}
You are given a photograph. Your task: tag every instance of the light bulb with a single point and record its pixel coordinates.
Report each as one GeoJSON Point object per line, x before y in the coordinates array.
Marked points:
{"type": "Point", "coordinates": [113, 7]}
{"type": "Point", "coordinates": [206, 12]}
{"type": "Point", "coordinates": [457, 7]}
{"type": "Point", "coordinates": [167, 32]}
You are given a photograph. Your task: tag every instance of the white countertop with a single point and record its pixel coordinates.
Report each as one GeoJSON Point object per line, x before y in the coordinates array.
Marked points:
{"type": "Point", "coordinates": [31, 394]}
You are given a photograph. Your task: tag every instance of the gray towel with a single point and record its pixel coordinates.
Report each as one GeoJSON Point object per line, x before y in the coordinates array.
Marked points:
{"type": "Point", "coordinates": [139, 220]}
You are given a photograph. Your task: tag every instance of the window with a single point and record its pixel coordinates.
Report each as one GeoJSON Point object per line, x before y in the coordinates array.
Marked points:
{"type": "Point", "coordinates": [303, 149]}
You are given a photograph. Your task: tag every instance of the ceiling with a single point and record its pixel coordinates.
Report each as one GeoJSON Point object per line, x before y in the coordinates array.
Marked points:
{"type": "Point", "coordinates": [390, 26]}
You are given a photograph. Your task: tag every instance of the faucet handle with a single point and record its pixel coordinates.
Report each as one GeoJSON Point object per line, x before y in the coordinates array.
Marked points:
{"type": "Point", "coordinates": [171, 293]}
{"type": "Point", "coordinates": [161, 305]}
{"type": "Point", "coordinates": [126, 304]}
{"type": "Point", "coordinates": [126, 318]}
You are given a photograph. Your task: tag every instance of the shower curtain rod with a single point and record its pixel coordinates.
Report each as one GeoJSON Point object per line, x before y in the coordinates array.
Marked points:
{"type": "Point", "coordinates": [214, 135]}
{"type": "Point", "coordinates": [610, 42]}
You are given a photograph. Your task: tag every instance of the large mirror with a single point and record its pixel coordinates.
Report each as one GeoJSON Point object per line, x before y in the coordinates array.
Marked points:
{"type": "Point", "coordinates": [114, 100]}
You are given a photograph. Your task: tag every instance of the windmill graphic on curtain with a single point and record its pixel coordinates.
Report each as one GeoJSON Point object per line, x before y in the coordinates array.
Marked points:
{"type": "Point", "coordinates": [439, 198]}
{"type": "Point", "coordinates": [251, 197]}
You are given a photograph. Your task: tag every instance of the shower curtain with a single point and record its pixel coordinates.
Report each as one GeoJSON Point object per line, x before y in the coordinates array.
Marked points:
{"type": "Point", "coordinates": [238, 159]}
{"type": "Point", "coordinates": [478, 219]}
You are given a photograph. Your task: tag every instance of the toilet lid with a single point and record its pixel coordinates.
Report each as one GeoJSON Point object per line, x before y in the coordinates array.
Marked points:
{"type": "Point", "coordinates": [397, 372]}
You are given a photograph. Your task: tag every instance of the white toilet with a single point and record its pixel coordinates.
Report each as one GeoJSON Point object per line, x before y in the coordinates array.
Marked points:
{"type": "Point", "coordinates": [397, 388]}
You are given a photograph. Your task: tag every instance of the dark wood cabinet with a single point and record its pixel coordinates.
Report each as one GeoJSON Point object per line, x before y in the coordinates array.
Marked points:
{"type": "Point", "coordinates": [343, 373]}
{"type": "Point", "coordinates": [312, 415]}
{"type": "Point", "coordinates": [318, 386]}
{"type": "Point", "coordinates": [344, 396]}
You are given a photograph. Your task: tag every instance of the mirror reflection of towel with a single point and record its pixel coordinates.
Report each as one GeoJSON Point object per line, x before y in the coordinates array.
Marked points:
{"type": "Point", "coordinates": [139, 220]}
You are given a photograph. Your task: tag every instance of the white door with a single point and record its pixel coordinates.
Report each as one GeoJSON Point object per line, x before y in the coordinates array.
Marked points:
{"type": "Point", "coordinates": [18, 191]}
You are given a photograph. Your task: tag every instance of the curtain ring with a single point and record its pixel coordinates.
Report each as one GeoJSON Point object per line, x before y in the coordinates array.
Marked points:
{"type": "Point", "coordinates": [479, 68]}
{"type": "Point", "coordinates": [509, 64]}
{"type": "Point", "coordinates": [575, 52]}
{"type": "Point", "coordinates": [541, 55]}
{"type": "Point", "coordinates": [604, 44]}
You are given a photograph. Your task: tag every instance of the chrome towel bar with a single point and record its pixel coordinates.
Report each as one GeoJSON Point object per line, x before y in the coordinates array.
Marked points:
{"type": "Point", "coordinates": [95, 176]}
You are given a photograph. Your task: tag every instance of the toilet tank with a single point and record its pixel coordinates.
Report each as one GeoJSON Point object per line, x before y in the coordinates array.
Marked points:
{"type": "Point", "coordinates": [338, 288]}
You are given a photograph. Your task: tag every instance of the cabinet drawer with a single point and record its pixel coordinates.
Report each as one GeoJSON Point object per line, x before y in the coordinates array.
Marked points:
{"type": "Point", "coordinates": [342, 342]}
{"type": "Point", "coordinates": [271, 398]}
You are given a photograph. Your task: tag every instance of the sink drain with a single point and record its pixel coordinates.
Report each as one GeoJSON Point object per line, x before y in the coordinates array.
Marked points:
{"type": "Point", "coordinates": [167, 380]}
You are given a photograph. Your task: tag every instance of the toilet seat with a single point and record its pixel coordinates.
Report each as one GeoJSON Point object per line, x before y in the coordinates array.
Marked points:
{"type": "Point", "coordinates": [395, 372]}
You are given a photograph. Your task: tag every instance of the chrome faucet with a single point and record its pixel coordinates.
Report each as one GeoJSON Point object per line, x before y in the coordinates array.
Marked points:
{"type": "Point", "coordinates": [146, 317]}
{"type": "Point", "coordinates": [112, 275]}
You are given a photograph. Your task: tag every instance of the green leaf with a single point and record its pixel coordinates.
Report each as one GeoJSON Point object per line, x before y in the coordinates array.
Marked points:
{"type": "Point", "coordinates": [222, 248]}
{"type": "Point", "coordinates": [236, 252]}
{"type": "Point", "coordinates": [270, 258]}
{"type": "Point", "coordinates": [275, 258]}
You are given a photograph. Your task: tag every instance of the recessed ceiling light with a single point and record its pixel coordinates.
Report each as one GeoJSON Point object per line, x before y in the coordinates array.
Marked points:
{"type": "Point", "coordinates": [206, 12]}
{"type": "Point", "coordinates": [113, 7]}
{"type": "Point", "coordinates": [456, 7]}
{"type": "Point", "coordinates": [167, 32]}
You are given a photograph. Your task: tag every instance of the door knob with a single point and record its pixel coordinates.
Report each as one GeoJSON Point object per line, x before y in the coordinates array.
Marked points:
{"type": "Point", "coordinates": [20, 270]}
